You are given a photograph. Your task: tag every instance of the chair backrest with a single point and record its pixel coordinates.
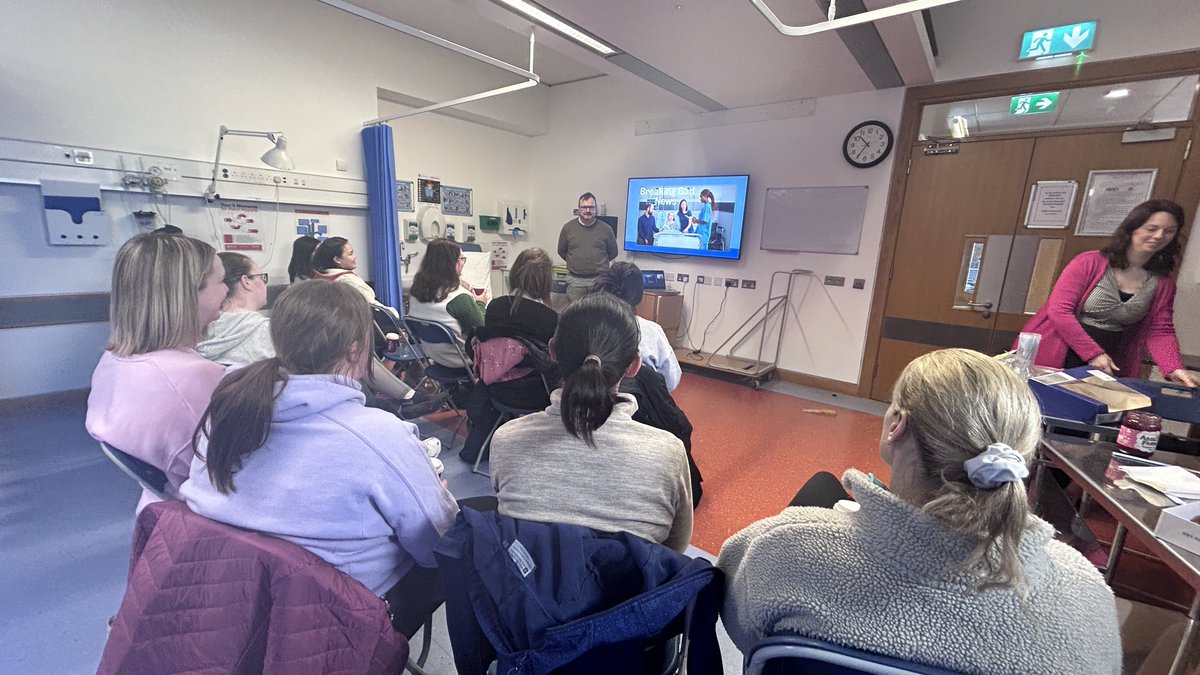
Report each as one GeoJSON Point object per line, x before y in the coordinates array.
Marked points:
{"type": "Point", "coordinates": [148, 476]}
{"type": "Point", "coordinates": [434, 333]}
{"type": "Point", "coordinates": [385, 323]}
{"type": "Point", "coordinates": [797, 655]}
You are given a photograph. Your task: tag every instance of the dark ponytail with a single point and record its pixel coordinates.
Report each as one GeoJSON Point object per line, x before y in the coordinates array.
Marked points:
{"type": "Point", "coordinates": [315, 325]}
{"type": "Point", "coordinates": [596, 341]}
{"type": "Point", "coordinates": [238, 419]}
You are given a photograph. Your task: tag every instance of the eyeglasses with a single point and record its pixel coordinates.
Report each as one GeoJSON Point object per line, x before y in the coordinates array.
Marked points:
{"type": "Point", "coordinates": [462, 258]}
{"type": "Point", "coordinates": [587, 208]}
{"type": "Point", "coordinates": [264, 276]}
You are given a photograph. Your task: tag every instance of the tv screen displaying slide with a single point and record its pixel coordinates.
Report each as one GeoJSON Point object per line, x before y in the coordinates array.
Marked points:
{"type": "Point", "coordinates": [686, 215]}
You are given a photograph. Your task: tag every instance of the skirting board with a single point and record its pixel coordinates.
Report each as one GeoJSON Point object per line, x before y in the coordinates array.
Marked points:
{"type": "Point", "coordinates": [54, 399]}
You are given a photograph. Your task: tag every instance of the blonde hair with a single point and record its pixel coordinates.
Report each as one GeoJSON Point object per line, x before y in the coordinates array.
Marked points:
{"type": "Point", "coordinates": [153, 304]}
{"type": "Point", "coordinates": [958, 402]}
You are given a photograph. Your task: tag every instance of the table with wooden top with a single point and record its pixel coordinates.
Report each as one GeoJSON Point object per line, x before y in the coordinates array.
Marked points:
{"type": "Point", "coordinates": [1085, 463]}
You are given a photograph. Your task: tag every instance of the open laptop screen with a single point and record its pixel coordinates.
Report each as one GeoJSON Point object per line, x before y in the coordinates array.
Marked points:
{"type": "Point", "coordinates": [654, 280]}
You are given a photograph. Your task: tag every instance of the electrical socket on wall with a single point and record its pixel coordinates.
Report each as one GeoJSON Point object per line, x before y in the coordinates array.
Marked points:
{"type": "Point", "coordinates": [681, 277]}
{"type": "Point", "coordinates": [730, 282]}
{"type": "Point", "coordinates": [860, 284]}
{"type": "Point", "coordinates": [700, 279]}
{"type": "Point", "coordinates": [718, 281]}
{"type": "Point", "coordinates": [749, 283]}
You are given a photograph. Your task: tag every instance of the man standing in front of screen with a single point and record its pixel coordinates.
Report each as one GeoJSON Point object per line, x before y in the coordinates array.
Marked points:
{"type": "Point", "coordinates": [587, 245]}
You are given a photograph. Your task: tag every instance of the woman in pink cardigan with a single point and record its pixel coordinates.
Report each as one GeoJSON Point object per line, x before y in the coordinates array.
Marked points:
{"type": "Point", "coordinates": [1110, 306]}
{"type": "Point", "coordinates": [151, 385]}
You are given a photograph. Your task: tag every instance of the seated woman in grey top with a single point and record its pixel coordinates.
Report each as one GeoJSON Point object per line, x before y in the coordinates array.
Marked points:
{"type": "Point", "coordinates": [584, 461]}
{"type": "Point", "coordinates": [241, 335]}
{"type": "Point", "coordinates": [950, 569]}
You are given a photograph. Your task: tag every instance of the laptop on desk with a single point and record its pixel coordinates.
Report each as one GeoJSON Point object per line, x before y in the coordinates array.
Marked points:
{"type": "Point", "coordinates": [656, 281]}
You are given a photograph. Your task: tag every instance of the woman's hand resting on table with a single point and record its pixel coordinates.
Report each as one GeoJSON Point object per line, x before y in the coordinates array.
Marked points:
{"type": "Point", "coordinates": [1104, 363]}
{"type": "Point", "coordinates": [1183, 377]}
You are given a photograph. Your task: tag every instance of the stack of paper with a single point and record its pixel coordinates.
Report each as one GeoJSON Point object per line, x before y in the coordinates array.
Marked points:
{"type": "Point", "coordinates": [1173, 481]}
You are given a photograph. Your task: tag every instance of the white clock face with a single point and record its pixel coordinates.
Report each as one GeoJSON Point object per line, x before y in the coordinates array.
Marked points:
{"type": "Point", "coordinates": [867, 144]}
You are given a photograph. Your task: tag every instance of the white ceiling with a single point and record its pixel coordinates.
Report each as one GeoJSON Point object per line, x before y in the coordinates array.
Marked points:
{"type": "Point", "coordinates": [724, 49]}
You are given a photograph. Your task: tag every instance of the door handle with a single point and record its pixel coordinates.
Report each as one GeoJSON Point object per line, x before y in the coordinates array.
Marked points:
{"type": "Point", "coordinates": [987, 308]}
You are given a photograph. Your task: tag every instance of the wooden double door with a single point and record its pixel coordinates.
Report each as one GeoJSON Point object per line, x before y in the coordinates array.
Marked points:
{"type": "Point", "coordinates": [966, 271]}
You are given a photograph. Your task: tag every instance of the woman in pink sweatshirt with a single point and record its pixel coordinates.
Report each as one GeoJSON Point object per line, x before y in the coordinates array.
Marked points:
{"type": "Point", "coordinates": [151, 386]}
{"type": "Point", "coordinates": [1110, 306]}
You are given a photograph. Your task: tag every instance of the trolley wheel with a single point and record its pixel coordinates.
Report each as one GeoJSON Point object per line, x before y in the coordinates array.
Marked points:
{"type": "Point", "coordinates": [755, 384]}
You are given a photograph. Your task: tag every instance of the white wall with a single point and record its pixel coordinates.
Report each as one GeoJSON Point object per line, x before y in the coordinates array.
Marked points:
{"type": "Point", "coordinates": [982, 37]}
{"type": "Point", "coordinates": [160, 78]}
{"type": "Point", "coordinates": [591, 147]}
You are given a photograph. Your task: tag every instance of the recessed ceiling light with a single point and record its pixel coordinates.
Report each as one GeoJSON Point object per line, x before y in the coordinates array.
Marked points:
{"type": "Point", "coordinates": [1117, 93]}
{"type": "Point", "coordinates": [560, 26]}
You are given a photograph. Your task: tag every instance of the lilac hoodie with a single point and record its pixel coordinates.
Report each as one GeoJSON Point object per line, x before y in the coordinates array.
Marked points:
{"type": "Point", "coordinates": [349, 483]}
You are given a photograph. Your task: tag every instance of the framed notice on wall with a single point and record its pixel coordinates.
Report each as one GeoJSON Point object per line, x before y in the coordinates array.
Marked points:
{"type": "Point", "coordinates": [1109, 197]}
{"type": "Point", "coordinates": [456, 201]}
{"type": "Point", "coordinates": [404, 197]}
{"type": "Point", "coordinates": [1050, 204]}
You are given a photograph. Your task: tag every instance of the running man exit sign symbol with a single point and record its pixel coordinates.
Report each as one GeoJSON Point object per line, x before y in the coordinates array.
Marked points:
{"type": "Point", "coordinates": [1075, 37]}
{"type": "Point", "coordinates": [1033, 104]}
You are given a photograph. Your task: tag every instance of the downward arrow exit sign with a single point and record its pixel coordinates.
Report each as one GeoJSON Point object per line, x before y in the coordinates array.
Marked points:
{"type": "Point", "coordinates": [1033, 104]}
{"type": "Point", "coordinates": [1075, 37]}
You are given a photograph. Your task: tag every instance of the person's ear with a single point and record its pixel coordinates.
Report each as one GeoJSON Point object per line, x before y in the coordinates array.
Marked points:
{"type": "Point", "coordinates": [245, 282]}
{"type": "Point", "coordinates": [553, 354]}
{"type": "Point", "coordinates": [634, 367]}
{"type": "Point", "coordinates": [898, 428]}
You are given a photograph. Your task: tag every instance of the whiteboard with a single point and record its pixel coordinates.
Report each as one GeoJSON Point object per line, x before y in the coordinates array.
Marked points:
{"type": "Point", "coordinates": [814, 219]}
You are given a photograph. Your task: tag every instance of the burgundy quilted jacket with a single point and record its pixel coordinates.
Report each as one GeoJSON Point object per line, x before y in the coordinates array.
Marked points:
{"type": "Point", "coordinates": [206, 597]}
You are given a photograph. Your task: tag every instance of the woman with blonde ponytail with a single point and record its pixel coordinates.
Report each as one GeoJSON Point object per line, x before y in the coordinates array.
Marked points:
{"type": "Point", "coordinates": [287, 448]}
{"type": "Point", "coordinates": [584, 460]}
{"type": "Point", "coordinates": [949, 569]}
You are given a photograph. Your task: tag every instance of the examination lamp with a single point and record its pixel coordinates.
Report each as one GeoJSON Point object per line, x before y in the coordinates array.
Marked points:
{"type": "Point", "coordinates": [276, 157]}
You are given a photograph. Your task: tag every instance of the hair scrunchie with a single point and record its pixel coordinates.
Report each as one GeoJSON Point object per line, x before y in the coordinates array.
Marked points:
{"type": "Point", "coordinates": [995, 466]}
{"type": "Point", "coordinates": [593, 357]}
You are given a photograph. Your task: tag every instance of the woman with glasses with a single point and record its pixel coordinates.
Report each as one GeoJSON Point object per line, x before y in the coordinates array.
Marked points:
{"type": "Point", "coordinates": [438, 294]}
{"type": "Point", "coordinates": [241, 334]}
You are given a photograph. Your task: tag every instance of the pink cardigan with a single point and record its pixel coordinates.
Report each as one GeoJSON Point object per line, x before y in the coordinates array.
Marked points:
{"type": "Point", "coordinates": [1058, 323]}
{"type": "Point", "coordinates": [148, 405]}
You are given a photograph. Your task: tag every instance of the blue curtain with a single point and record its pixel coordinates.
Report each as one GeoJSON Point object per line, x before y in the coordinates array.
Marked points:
{"type": "Point", "coordinates": [382, 222]}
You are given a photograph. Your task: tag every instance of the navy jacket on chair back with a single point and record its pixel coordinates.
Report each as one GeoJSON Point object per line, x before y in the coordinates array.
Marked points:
{"type": "Point", "coordinates": [542, 597]}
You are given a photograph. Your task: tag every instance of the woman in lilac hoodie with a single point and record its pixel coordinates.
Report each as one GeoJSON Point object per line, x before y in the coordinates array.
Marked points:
{"type": "Point", "coordinates": [151, 386]}
{"type": "Point", "coordinates": [287, 448]}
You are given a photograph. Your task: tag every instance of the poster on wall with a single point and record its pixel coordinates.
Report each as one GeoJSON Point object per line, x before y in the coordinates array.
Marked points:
{"type": "Point", "coordinates": [404, 196]}
{"type": "Point", "coordinates": [456, 201]}
{"type": "Point", "coordinates": [1109, 197]}
{"type": "Point", "coordinates": [1050, 204]}
{"type": "Point", "coordinates": [499, 255]}
{"type": "Point", "coordinates": [239, 227]}
{"type": "Point", "coordinates": [429, 190]}
{"type": "Point", "coordinates": [309, 223]}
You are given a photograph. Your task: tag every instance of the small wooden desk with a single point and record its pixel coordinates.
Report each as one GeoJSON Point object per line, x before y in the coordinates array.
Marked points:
{"type": "Point", "coordinates": [1085, 463]}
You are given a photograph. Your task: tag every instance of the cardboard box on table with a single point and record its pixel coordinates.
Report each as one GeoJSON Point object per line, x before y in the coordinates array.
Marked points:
{"type": "Point", "coordinates": [1177, 526]}
{"type": "Point", "coordinates": [1091, 396]}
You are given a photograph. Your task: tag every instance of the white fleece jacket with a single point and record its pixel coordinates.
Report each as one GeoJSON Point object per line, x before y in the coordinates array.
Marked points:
{"type": "Point", "coordinates": [886, 580]}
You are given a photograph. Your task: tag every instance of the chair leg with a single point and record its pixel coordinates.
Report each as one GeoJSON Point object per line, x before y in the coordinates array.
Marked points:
{"type": "Point", "coordinates": [418, 667]}
{"type": "Point", "coordinates": [487, 445]}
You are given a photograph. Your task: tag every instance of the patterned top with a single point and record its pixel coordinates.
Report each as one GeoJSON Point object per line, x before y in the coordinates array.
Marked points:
{"type": "Point", "coordinates": [1104, 308]}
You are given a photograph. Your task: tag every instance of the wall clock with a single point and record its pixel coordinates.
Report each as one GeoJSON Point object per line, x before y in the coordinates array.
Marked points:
{"type": "Point", "coordinates": [868, 144]}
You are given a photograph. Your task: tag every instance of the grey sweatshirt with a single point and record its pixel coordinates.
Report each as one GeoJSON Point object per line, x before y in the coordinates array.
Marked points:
{"type": "Point", "coordinates": [237, 338]}
{"type": "Point", "coordinates": [635, 480]}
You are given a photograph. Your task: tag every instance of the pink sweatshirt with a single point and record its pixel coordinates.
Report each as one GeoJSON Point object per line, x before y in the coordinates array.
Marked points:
{"type": "Point", "coordinates": [148, 406]}
{"type": "Point", "coordinates": [1057, 322]}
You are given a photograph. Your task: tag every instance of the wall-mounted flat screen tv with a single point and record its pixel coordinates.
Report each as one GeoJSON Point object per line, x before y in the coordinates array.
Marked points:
{"type": "Point", "coordinates": [686, 215]}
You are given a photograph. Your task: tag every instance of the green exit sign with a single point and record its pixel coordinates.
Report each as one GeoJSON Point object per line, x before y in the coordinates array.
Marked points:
{"type": "Point", "coordinates": [1033, 104]}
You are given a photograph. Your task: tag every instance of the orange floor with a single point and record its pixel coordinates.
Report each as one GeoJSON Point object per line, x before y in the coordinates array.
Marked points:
{"type": "Point", "coordinates": [755, 449]}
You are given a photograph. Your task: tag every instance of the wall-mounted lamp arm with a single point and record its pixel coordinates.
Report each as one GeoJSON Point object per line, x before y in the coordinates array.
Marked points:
{"type": "Point", "coordinates": [852, 20]}
{"type": "Point", "coordinates": [274, 136]}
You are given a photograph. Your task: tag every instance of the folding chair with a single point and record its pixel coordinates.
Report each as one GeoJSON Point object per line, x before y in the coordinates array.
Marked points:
{"type": "Point", "coordinates": [148, 476]}
{"type": "Point", "coordinates": [796, 655]}
{"type": "Point", "coordinates": [507, 413]}
{"type": "Point", "coordinates": [385, 323]}
{"type": "Point", "coordinates": [434, 333]}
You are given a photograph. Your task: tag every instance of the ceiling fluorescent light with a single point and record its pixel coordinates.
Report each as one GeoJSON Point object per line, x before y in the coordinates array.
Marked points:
{"type": "Point", "coordinates": [1117, 93]}
{"type": "Point", "coordinates": [541, 16]}
{"type": "Point", "coordinates": [843, 22]}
